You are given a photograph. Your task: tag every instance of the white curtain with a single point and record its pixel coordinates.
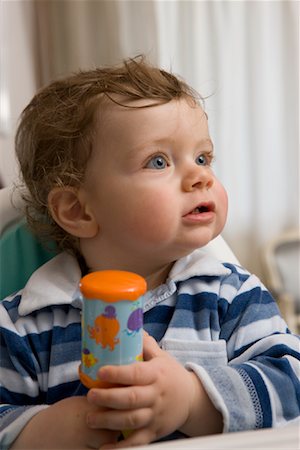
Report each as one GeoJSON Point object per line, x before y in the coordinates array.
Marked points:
{"type": "Point", "coordinates": [243, 55]}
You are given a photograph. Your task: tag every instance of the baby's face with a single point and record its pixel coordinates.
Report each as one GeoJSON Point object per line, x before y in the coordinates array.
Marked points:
{"type": "Point", "coordinates": [150, 183]}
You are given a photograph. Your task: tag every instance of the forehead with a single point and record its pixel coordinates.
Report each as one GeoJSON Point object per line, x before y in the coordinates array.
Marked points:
{"type": "Point", "coordinates": [148, 116]}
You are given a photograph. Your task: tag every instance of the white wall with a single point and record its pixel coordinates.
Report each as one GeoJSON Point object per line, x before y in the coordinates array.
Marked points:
{"type": "Point", "coordinates": [18, 74]}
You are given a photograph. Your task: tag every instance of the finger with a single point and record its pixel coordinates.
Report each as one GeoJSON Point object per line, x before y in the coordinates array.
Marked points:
{"type": "Point", "coordinates": [150, 347]}
{"type": "Point", "coordinates": [143, 436]}
{"type": "Point", "coordinates": [120, 420]}
{"type": "Point", "coordinates": [96, 438]}
{"type": "Point", "coordinates": [136, 373]}
{"type": "Point", "coordinates": [132, 397]}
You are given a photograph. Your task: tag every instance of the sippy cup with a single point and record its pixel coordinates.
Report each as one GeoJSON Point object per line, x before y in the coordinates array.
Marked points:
{"type": "Point", "coordinates": [112, 322]}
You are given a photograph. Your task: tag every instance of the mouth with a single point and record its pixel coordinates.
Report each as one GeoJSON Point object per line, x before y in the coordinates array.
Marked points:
{"type": "Point", "coordinates": [202, 208]}
{"type": "Point", "coordinates": [204, 212]}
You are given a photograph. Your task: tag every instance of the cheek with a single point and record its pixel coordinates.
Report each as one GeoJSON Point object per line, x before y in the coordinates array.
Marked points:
{"type": "Point", "coordinates": [151, 216]}
{"type": "Point", "coordinates": [222, 203]}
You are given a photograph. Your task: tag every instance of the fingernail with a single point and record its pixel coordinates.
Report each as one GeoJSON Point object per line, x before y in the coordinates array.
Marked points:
{"type": "Point", "coordinates": [91, 395]}
{"type": "Point", "coordinates": [103, 374]}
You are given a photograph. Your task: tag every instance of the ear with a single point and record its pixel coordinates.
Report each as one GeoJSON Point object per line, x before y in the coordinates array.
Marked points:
{"type": "Point", "coordinates": [71, 212]}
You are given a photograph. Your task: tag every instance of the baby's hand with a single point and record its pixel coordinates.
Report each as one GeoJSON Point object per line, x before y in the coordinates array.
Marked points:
{"type": "Point", "coordinates": [63, 426]}
{"type": "Point", "coordinates": [155, 397]}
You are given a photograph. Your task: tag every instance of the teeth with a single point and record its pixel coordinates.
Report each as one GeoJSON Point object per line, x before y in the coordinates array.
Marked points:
{"type": "Point", "coordinates": [200, 209]}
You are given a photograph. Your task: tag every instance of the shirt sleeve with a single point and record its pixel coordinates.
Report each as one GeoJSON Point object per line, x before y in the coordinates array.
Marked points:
{"type": "Point", "coordinates": [259, 386]}
{"type": "Point", "coordinates": [40, 355]}
{"type": "Point", "coordinates": [18, 376]}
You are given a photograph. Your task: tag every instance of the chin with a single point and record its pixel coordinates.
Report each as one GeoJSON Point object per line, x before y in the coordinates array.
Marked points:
{"type": "Point", "coordinates": [197, 246]}
{"type": "Point", "coordinates": [188, 250]}
{"type": "Point", "coordinates": [198, 243]}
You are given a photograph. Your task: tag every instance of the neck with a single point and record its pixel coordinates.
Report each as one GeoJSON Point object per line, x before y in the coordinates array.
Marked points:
{"type": "Point", "coordinates": [158, 277]}
{"type": "Point", "coordinates": [151, 266]}
{"type": "Point", "coordinates": [154, 275]}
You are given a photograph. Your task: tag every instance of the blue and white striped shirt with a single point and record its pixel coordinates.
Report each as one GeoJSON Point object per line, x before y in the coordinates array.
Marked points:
{"type": "Point", "coordinates": [214, 318]}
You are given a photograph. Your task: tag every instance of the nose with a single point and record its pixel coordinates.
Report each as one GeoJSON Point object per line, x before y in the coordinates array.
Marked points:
{"type": "Point", "coordinates": [200, 177]}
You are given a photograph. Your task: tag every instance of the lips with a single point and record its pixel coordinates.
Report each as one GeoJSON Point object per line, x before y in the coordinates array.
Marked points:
{"type": "Point", "coordinates": [202, 208]}
{"type": "Point", "coordinates": [201, 214]}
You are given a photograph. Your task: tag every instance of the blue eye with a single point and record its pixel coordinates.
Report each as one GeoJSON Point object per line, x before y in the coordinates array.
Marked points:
{"type": "Point", "coordinates": [157, 162]}
{"type": "Point", "coordinates": [202, 160]}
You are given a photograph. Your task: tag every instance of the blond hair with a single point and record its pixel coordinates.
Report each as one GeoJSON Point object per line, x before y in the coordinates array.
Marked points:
{"type": "Point", "coordinates": [55, 136]}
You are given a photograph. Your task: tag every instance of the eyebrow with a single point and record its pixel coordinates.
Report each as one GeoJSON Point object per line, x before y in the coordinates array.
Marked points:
{"type": "Point", "coordinates": [204, 142]}
{"type": "Point", "coordinates": [199, 144]}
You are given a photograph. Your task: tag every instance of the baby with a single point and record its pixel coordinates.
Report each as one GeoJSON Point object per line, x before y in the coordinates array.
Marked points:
{"type": "Point", "coordinates": [118, 168]}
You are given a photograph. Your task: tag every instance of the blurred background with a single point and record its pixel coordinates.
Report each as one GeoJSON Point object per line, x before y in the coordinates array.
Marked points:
{"type": "Point", "coordinates": [242, 55]}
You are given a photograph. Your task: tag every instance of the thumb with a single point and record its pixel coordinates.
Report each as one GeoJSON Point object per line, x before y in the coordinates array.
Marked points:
{"type": "Point", "coordinates": [150, 347]}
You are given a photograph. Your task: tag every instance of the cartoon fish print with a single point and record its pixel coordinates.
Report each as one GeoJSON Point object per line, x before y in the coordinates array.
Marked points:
{"type": "Point", "coordinates": [135, 322]}
{"type": "Point", "coordinates": [139, 357]}
{"type": "Point", "coordinates": [88, 358]}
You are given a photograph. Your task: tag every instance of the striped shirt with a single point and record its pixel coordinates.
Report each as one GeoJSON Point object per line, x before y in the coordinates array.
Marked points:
{"type": "Point", "coordinates": [215, 318]}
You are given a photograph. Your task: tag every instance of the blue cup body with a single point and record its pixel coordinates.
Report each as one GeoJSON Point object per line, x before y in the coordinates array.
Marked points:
{"type": "Point", "coordinates": [112, 334]}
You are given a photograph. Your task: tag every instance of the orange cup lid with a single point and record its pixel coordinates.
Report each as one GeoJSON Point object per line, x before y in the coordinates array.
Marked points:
{"type": "Point", "coordinates": [113, 285]}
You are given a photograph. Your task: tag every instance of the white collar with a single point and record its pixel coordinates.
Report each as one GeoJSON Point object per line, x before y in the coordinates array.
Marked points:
{"type": "Point", "coordinates": [54, 283]}
{"type": "Point", "coordinates": [57, 281]}
{"type": "Point", "coordinates": [197, 263]}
